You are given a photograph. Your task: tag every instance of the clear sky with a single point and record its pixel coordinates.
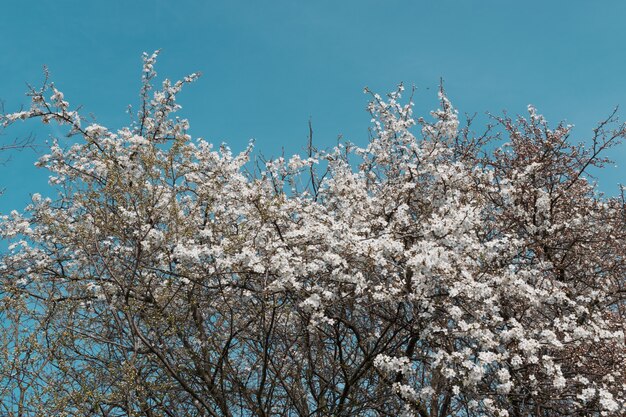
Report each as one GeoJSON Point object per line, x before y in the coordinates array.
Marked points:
{"type": "Point", "coordinates": [270, 65]}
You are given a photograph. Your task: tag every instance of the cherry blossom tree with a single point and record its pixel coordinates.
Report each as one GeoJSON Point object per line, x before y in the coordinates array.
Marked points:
{"type": "Point", "coordinates": [435, 272]}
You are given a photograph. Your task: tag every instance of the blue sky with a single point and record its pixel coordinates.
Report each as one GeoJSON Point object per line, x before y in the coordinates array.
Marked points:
{"type": "Point", "coordinates": [270, 65]}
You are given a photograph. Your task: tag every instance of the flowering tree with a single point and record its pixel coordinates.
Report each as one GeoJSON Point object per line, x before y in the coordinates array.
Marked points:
{"type": "Point", "coordinates": [423, 275]}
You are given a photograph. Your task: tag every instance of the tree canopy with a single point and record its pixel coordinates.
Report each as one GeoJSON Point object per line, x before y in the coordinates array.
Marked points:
{"type": "Point", "coordinates": [434, 272]}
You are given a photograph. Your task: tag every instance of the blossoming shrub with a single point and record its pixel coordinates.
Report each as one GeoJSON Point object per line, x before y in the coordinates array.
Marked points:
{"type": "Point", "coordinates": [434, 276]}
